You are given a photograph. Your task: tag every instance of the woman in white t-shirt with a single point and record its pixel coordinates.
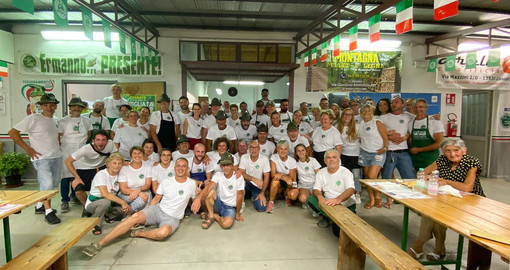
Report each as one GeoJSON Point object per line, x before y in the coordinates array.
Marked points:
{"type": "Point", "coordinates": [129, 135]}
{"type": "Point", "coordinates": [307, 167]}
{"type": "Point", "coordinates": [145, 114]}
{"type": "Point", "coordinates": [349, 130]}
{"type": "Point", "coordinates": [374, 144]}
{"type": "Point", "coordinates": [326, 137]}
{"type": "Point", "coordinates": [103, 192]}
{"type": "Point", "coordinates": [303, 127]}
{"type": "Point", "coordinates": [193, 127]}
{"type": "Point", "coordinates": [316, 112]}
{"type": "Point", "coordinates": [220, 146]}
{"type": "Point", "coordinates": [283, 176]}
{"type": "Point", "coordinates": [150, 156]}
{"type": "Point", "coordinates": [120, 122]}
{"type": "Point", "coordinates": [135, 181]}
{"type": "Point", "coordinates": [277, 130]}
{"type": "Point", "coordinates": [234, 119]}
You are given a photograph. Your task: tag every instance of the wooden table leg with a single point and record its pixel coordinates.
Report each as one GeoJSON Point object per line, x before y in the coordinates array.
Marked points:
{"type": "Point", "coordinates": [61, 263]}
{"type": "Point", "coordinates": [350, 256]}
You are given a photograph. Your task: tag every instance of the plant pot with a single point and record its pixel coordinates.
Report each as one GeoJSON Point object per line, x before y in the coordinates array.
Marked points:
{"type": "Point", "coordinates": [12, 181]}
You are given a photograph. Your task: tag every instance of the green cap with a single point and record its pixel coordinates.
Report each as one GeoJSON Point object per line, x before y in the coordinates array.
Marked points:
{"type": "Point", "coordinates": [48, 98]}
{"type": "Point", "coordinates": [262, 128]}
{"type": "Point", "coordinates": [164, 97]}
{"type": "Point", "coordinates": [76, 101]}
{"type": "Point", "coordinates": [215, 102]}
{"type": "Point", "coordinates": [246, 116]}
{"type": "Point", "coordinates": [226, 159]}
{"type": "Point", "coordinates": [181, 139]}
{"type": "Point", "coordinates": [259, 103]}
{"type": "Point", "coordinates": [221, 115]}
{"type": "Point", "coordinates": [292, 127]}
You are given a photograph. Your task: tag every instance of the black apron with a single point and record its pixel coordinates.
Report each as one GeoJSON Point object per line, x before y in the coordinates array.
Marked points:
{"type": "Point", "coordinates": [166, 134]}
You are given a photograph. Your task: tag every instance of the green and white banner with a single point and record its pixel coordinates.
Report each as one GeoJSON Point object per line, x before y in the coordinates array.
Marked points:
{"type": "Point", "coordinates": [88, 64]}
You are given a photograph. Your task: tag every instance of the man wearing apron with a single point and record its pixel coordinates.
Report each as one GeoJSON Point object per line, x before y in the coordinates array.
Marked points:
{"type": "Point", "coordinates": [165, 125]}
{"type": "Point", "coordinates": [426, 136]}
{"type": "Point", "coordinates": [198, 169]}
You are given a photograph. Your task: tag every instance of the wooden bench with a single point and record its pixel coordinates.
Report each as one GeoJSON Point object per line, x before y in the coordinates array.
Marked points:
{"type": "Point", "coordinates": [358, 238]}
{"type": "Point", "coordinates": [51, 251]}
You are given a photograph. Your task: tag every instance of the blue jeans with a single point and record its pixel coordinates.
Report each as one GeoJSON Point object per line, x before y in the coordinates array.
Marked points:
{"type": "Point", "coordinates": [48, 172]}
{"type": "Point", "coordinates": [222, 209]}
{"type": "Point", "coordinates": [255, 191]}
{"type": "Point", "coordinates": [65, 185]}
{"type": "Point", "coordinates": [400, 160]}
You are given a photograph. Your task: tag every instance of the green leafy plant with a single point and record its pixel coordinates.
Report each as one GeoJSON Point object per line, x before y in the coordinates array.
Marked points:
{"type": "Point", "coordinates": [13, 163]}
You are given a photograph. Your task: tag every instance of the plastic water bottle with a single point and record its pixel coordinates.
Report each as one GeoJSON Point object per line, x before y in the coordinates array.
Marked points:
{"type": "Point", "coordinates": [421, 184]}
{"type": "Point", "coordinates": [433, 184]}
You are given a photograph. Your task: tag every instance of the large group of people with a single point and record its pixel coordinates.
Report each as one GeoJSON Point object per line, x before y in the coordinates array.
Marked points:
{"type": "Point", "coordinates": [155, 168]}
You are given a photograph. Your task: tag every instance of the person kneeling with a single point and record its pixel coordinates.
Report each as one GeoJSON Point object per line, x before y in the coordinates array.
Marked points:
{"type": "Point", "coordinates": [225, 204]}
{"type": "Point", "coordinates": [333, 185]}
{"type": "Point", "coordinates": [166, 210]}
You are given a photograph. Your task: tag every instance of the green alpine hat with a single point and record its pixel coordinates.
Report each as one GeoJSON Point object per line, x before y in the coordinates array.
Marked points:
{"type": "Point", "coordinates": [48, 98]}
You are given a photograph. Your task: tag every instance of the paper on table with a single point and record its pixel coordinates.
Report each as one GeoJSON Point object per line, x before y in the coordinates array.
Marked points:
{"type": "Point", "coordinates": [8, 207]}
{"type": "Point", "coordinates": [398, 191]}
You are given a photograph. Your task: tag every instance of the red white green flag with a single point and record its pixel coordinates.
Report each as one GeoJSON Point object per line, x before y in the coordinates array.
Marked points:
{"type": "Point", "coordinates": [404, 16]}
{"type": "Point", "coordinates": [307, 62]}
{"type": "Point", "coordinates": [336, 42]}
{"type": "Point", "coordinates": [324, 51]}
{"type": "Point", "coordinates": [445, 8]}
{"type": "Point", "coordinates": [374, 26]}
{"type": "Point", "coordinates": [4, 71]}
{"type": "Point", "coordinates": [314, 56]}
{"type": "Point", "coordinates": [353, 38]}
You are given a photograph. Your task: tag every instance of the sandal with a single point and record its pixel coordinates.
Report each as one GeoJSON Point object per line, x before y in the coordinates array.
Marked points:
{"type": "Point", "coordinates": [206, 224]}
{"type": "Point", "coordinates": [378, 203]}
{"type": "Point", "coordinates": [203, 215]}
{"type": "Point", "coordinates": [109, 219]}
{"type": "Point", "coordinates": [97, 230]}
{"type": "Point", "coordinates": [432, 256]}
{"type": "Point", "coordinates": [368, 206]}
{"type": "Point", "coordinates": [415, 255]}
{"type": "Point", "coordinates": [388, 205]}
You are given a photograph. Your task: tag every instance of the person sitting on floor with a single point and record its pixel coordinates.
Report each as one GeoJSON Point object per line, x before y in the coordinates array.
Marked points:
{"type": "Point", "coordinates": [165, 210]}
{"type": "Point", "coordinates": [256, 169]}
{"type": "Point", "coordinates": [283, 176]}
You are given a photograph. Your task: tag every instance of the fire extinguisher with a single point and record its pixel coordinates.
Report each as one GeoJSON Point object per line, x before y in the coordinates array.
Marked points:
{"type": "Point", "coordinates": [451, 130]}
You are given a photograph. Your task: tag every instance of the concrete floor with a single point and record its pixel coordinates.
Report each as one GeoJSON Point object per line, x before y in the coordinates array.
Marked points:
{"type": "Point", "coordinates": [287, 239]}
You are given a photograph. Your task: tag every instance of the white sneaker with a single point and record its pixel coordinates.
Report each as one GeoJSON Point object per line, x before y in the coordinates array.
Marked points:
{"type": "Point", "coordinates": [314, 214]}
{"type": "Point", "coordinates": [358, 198]}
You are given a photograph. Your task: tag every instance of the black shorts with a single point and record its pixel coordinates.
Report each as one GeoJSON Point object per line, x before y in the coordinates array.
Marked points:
{"type": "Point", "coordinates": [350, 162]}
{"type": "Point", "coordinates": [86, 176]}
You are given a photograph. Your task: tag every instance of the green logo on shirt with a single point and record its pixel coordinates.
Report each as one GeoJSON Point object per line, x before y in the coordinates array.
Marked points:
{"type": "Point", "coordinates": [257, 166]}
{"type": "Point", "coordinates": [263, 150]}
{"type": "Point", "coordinates": [198, 125]}
{"type": "Point", "coordinates": [323, 136]}
{"type": "Point", "coordinates": [247, 134]}
{"type": "Point", "coordinates": [230, 187]}
{"type": "Point", "coordinates": [141, 176]}
{"type": "Point", "coordinates": [301, 129]}
{"type": "Point", "coordinates": [199, 170]}
{"type": "Point", "coordinates": [338, 183]}
{"type": "Point", "coordinates": [139, 134]}
{"type": "Point", "coordinates": [423, 126]}
{"type": "Point", "coordinates": [401, 121]}
{"type": "Point", "coordinates": [168, 118]}
{"type": "Point", "coordinates": [281, 130]}
{"type": "Point", "coordinates": [181, 192]}
{"type": "Point", "coordinates": [286, 167]}
{"type": "Point", "coordinates": [170, 174]}
{"type": "Point", "coordinates": [76, 128]}
{"type": "Point", "coordinates": [306, 168]}
{"type": "Point", "coordinates": [117, 106]}
{"type": "Point", "coordinates": [368, 128]}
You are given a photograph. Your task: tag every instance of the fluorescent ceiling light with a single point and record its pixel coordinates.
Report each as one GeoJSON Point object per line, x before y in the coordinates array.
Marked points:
{"type": "Point", "coordinates": [365, 45]}
{"type": "Point", "coordinates": [243, 82]}
{"type": "Point", "coordinates": [218, 91]}
{"type": "Point", "coordinates": [75, 35]}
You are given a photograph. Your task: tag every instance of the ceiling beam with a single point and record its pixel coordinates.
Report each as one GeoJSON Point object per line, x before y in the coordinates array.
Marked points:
{"type": "Point", "coordinates": [468, 31]}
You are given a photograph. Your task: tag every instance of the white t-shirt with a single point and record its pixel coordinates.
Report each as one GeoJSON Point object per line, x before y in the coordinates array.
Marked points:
{"type": "Point", "coordinates": [305, 128]}
{"type": "Point", "coordinates": [214, 156]}
{"type": "Point", "coordinates": [350, 148]}
{"type": "Point", "coordinates": [146, 125]}
{"type": "Point", "coordinates": [135, 178]}
{"type": "Point", "coordinates": [399, 123]}
{"type": "Point", "coordinates": [177, 154]}
{"type": "Point", "coordinates": [181, 117]}
{"type": "Point", "coordinates": [358, 119]}
{"type": "Point", "coordinates": [42, 134]}
{"type": "Point", "coordinates": [324, 140]}
{"type": "Point", "coordinates": [267, 149]}
{"type": "Point", "coordinates": [209, 121]}
{"type": "Point", "coordinates": [292, 145]}
{"type": "Point", "coordinates": [194, 128]}
{"type": "Point", "coordinates": [215, 132]}
{"type": "Point", "coordinates": [255, 168]}
{"type": "Point", "coordinates": [227, 187]}
{"type": "Point", "coordinates": [176, 196]}
{"type": "Point", "coordinates": [306, 170]}
{"type": "Point", "coordinates": [286, 117]}
{"type": "Point", "coordinates": [435, 126]}
{"type": "Point", "coordinates": [159, 173]}
{"type": "Point", "coordinates": [117, 123]}
{"type": "Point", "coordinates": [260, 119]}
{"type": "Point", "coordinates": [151, 159]}
{"type": "Point", "coordinates": [233, 123]}
{"type": "Point", "coordinates": [332, 185]}
{"type": "Point", "coordinates": [112, 106]}
{"type": "Point", "coordinates": [103, 178]}
{"type": "Point", "coordinates": [246, 134]}
{"type": "Point", "coordinates": [169, 116]}
{"type": "Point", "coordinates": [128, 137]}
{"type": "Point", "coordinates": [277, 133]}
{"type": "Point", "coordinates": [74, 131]}
{"type": "Point", "coordinates": [88, 158]}
{"type": "Point", "coordinates": [308, 118]}
{"type": "Point", "coordinates": [283, 166]}
{"type": "Point", "coordinates": [97, 122]}
{"type": "Point", "coordinates": [371, 139]}
{"type": "Point", "coordinates": [199, 168]}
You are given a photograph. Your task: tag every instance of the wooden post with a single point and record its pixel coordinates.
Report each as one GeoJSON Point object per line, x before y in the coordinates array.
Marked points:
{"type": "Point", "coordinates": [350, 256]}
{"type": "Point", "coordinates": [61, 263]}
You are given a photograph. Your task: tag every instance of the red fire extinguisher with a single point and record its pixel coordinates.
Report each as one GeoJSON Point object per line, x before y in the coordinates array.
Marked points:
{"type": "Point", "coordinates": [451, 130]}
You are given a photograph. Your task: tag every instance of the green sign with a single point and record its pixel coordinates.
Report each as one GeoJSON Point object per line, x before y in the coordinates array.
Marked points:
{"type": "Point", "coordinates": [133, 47]}
{"type": "Point", "coordinates": [471, 60]}
{"type": "Point", "coordinates": [107, 33]}
{"type": "Point", "coordinates": [122, 42]}
{"type": "Point", "coordinates": [88, 64]}
{"type": "Point", "coordinates": [25, 5]}
{"type": "Point", "coordinates": [139, 101]}
{"type": "Point", "coordinates": [505, 120]}
{"type": "Point", "coordinates": [60, 12]}
{"type": "Point", "coordinates": [450, 63]}
{"type": "Point", "coordinates": [86, 17]}
{"type": "Point", "coordinates": [432, 65]}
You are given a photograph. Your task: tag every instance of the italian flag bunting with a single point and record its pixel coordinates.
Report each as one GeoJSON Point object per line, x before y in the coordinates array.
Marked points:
{"type": "Point", "coordinates": [307, 62]}
{"type": "Point", "coordinates": [324, 51]}
{"type": "Point", "coordinates": [374, 26]}
{"type": "Point", "coordinates": [336, 42]}
{"type": "Point", "coordinates": [314, 56]}
{"type": "Point", "coordinates": [404, 16]}
{"type": "Point", "coordinates": [4, 71]}
{"type": "Point", "coordinates": [445, 8]}
{"type": "Point", "coordinates": [353, 38]}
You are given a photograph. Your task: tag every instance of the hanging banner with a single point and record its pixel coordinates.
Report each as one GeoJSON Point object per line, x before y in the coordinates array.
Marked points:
{"type": "Point", "coordinates": [481, 76]}
{"type": "Point", "coordinates": [87, 64]}
{"type": "Point", "coordinates": [358, 71]}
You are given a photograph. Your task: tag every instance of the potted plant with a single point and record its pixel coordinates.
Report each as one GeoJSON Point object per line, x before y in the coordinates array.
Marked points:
{"type": "Point", "coordinates": [12, 165]}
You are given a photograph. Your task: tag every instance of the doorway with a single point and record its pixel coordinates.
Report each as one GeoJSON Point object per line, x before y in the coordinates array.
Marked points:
{"type": "Point", "coordinates": [476, 124]}
{"type": "Point", "coordinates": [88, 91]}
